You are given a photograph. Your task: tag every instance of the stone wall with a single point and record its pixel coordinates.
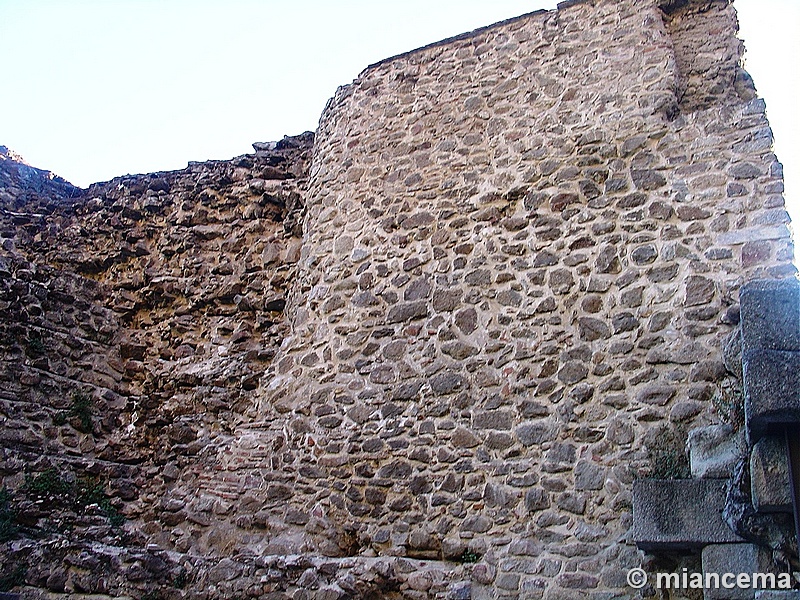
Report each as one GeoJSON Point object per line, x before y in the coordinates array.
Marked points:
{"type": "Point", "coordinates": [522, 254]}
{"type": "Point", "coordinates": [496, 299]}
{"type": "Point", "coordinates": [137, 317]}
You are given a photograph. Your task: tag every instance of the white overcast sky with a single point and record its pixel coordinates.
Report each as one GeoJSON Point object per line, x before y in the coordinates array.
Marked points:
{"type": "Point", "coordinates": [91, 89]}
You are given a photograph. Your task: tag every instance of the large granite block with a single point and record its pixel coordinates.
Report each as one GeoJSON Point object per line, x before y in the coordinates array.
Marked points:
{"type": "Point", "coordinates": [771, 390]}
{"type": "Point", "coordinates": [734, 558]}
{"type": "Point", "coordinates": [770, 488]}
{"type": "Point", "coordinates": [770, 314]}
{"type": "Point", "coordinates": [679, 514]}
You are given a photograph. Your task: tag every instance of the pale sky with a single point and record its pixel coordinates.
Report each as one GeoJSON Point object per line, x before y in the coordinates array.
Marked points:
{"type": "Point", "coordinates": [91, 89]}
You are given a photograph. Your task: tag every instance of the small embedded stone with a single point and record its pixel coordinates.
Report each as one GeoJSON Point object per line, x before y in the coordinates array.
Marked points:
{"type": "Point", "coordinates": [446, 300]}
{"type": "Point", "coordinates": [397, 470]}
{"type": "Point", "coordinates": [708, 370]}
{"type": "Point", "coordinates": [547, 305]}
{"type": "Point", "coordinates": [278, 491]}
{"type": "Point", "coordinates": [589, 189]}
{"type": "Point", "coordinates": [493, 419]}
{"type": "Point", "coordinates": [561, 281]}
{"type": "Point", "coordinates": [589, 476]}
{"type": "Point", "coordinates": [419, 485]}
{"type": "Point", "coordinates": [463, 438]}
{"type": "Point", "coordinates": [624, 322]}
{"type": "Point", "coordinates": [363, 299]}
{"type": "Point", "coordinates": [466, 320]}
{"type": "Point", "coordinates": [446, 383]}
{"type": "Point", "coordinates": [343, 245]}
{"type": "Point", "coordinates": [573, 372]}
{"type": "Point", "coordinates": [509, 298]}
{"type": "Point", "coordinates": [417, 290]}
{"type": "Point", "coordinates": [616, 184]}
{"type": "Point", "coordinates": [395, 349]}
{"type": "Point", "coordinates": [382, 374]}
{"type": "Point", "coordinates": [560, 201]}
{"type": "Point", "coordinates": [699, 290]}
{"type": "Point", "coordinates": [633, 144]}
{"type": "Point", "coordinates": [419, 219]}
{"type": "Point", "coordinates": [571, 502]}
{"type": "Point", "coordinates": [745, 170]}
{"type": "Point", "coordinates": [536, 499]}
{"type": "Point", "coordinates": [225, 570]}
{"type": "Point", "coordinates": [683, 411]}
{"type": "Point", "coordinates": [407, 390]}
{"type": "Point", "coordinates": [608, 261]}
{"type": "Point", "coordinates": [407, 312]}
{"type": "Point", "coordinates": [477, 524]}
{"type": "Point", "coordinates": [591, 329]}
{"type": "Point", "coordinates": [658, 395]}
{"type": "Point", "coordinates": [535, 433]}
{"type": "Point", "coordinates": [514, 223]}
{"type": "Point", "coordinates": [755, 253]}
{"type": "Point", "coordinates": [644, 255]}
{"type": "Point", "coordinates": [459, 350]}
{"type": "Point", "coordinates": [662, 274]}
{"type": "Point", "coordinates": [647, 179]}
{"type": "Point", "coordinates": [545, 259]}
{"type": "Point", "coordinates": [692, 213]}
{"type": "Point", "coordinates": [633, 200]}
{"type": "Point", "coordinates": [499, 440]}
{"type": "Point", "coordinates": [660, 211]}
{"type": "Point", "coordinates": [478, 277]}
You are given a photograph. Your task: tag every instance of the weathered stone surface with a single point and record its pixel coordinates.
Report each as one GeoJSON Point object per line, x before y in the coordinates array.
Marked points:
{"type": "Point", "coordinates": [769, 476]}
{"type": "Point", "coordinates": [679, 514]}
{"type": "Point", "coordinates": [407, 312]}
{"type": "Point", "coordinates": [771, 390]}
{"type": "Point", "coordinates": [715, 450]}
{"type": "Point", "coordinates": [534, 433]}
{"type": "Point", "coordinates": [503, 274]}
{"type": "Point", "coordinates": [589, 476]}
{"type": "Point", "coordinates": [770, 315]}
{"type": "Point", "coordinates": [735, 559]}
{"type": "Point", "coordinates": [699, 290]}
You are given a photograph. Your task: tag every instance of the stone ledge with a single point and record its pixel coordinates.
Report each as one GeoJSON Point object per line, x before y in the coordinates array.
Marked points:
{"type": "Point", "coordinates": [770, 314]}
{"type": "Point", "coordinates": [771, 390]}
{"type": "Point", "coordinates": [679, 514]}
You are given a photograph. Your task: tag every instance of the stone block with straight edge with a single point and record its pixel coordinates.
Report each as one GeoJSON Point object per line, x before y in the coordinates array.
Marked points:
{"type": "Point", "coordinates": [720, 559]}
{"type": "Point", "coordinates": [770, 488]}
{"type": "Point", "coordinates": [771, 391]}
{"type": "Point", "coordinates": [770, 314]}
{"type": "Point", "coordinates": [679, 514]}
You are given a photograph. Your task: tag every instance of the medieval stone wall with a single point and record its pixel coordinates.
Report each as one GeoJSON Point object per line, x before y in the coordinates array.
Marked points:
{"type": "Point", "coordinates": [136, 319]}
{"type": "Point", "coordinates": [521, 257]}
{"type": "Point", "coordinates": [506, 301]}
